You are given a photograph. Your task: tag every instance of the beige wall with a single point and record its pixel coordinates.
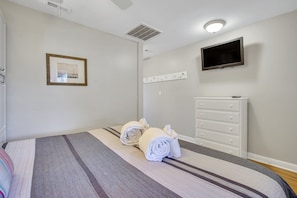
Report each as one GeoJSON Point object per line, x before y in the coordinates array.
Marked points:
{"type": "Point", "coordinates": [268, 79]}
{"type": "Point", "coordinates": [35, 109]}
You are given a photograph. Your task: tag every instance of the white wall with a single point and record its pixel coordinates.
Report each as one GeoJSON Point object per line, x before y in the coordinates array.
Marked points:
{"type": "Point", "coordinates": [36, 109]}
{"type": "Point", "coordinates": [268, 78]}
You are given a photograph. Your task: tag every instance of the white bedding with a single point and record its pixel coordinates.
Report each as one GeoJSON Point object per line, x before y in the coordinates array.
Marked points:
{"type": "Point", "coordinates": [22, 154]}
{"type": "Point", "coordinates": [178, 181]}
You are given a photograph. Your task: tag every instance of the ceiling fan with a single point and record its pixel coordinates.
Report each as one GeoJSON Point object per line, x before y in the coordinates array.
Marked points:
{"type": "Point", "coordinates": [123, 4]}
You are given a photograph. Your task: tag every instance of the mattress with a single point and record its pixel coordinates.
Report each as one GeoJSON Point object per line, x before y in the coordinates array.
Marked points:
{"type": "Point", "coordinates": [96, 164]}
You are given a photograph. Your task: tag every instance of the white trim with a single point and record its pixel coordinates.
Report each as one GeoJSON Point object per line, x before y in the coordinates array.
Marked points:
{"type": "Point", "coordinates": [266, 160]}
{"type": "Point", "coordinates": [273, 162]}
{"type": "Point", "coordinates": [139, 80]}
{"type": "Point", "coordinates": [187, 138]}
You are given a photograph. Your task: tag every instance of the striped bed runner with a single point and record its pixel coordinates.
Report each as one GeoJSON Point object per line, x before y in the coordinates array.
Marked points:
{"type": "Point", "coordinates": [64, 163]}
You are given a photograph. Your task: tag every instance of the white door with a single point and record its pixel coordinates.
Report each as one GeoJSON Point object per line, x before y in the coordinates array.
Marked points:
{"type": "Point", "coordinates": [2, 81]}
{"type": "Point", "coordinates": [2, 110]}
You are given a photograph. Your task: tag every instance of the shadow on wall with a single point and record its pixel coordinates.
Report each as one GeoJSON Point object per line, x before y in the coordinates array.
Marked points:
{"type": "Point", "coordinates": [254, 130]}
{"type": "Point", "coordinates": [243, 73]}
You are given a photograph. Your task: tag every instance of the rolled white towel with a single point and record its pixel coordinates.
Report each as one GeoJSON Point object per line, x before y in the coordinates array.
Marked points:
{"type": "Point", "coordinates": [155, 144]}
{"type": "Point", "coordinates": [174, 144]}
{"type": "Point", "coordinates": [132, 131]}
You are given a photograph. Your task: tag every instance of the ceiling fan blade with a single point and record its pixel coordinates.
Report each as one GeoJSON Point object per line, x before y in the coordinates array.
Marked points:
{"type": "Point", "coordinates": [57, 1]}
{"type": "Point", "coordinates": [123, 4]}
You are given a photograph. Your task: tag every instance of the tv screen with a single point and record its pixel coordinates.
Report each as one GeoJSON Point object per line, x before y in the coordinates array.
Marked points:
{"type": "Point", "coordinates": [227, 54]}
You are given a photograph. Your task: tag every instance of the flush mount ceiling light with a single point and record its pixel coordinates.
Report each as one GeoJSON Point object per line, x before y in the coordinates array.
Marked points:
{"type": "Point", "coordinates": [214, 26]}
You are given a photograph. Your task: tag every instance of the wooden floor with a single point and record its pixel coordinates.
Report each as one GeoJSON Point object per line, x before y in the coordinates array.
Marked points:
{"type": "Point", "coordinates": [289, 176]}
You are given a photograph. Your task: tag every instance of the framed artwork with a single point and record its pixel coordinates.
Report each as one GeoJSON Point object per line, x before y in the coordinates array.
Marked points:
{"type": "Point", "coordinates": [66, 70]}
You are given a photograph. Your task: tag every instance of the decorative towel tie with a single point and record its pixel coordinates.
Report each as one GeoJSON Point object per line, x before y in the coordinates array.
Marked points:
{"type": "Point", "coordinates": [174, 144]}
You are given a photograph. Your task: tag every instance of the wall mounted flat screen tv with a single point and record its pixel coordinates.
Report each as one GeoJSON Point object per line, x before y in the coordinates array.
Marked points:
{"type": "Point", "coordinates": [227, 54]}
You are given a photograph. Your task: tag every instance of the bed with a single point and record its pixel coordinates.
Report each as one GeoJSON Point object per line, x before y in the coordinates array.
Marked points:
{"type": "Point", "coordinates": [96, 164]}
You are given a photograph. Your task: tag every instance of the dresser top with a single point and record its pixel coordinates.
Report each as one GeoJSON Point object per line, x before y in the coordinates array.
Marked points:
{"type": "Point", "coordinates": [221, 98]}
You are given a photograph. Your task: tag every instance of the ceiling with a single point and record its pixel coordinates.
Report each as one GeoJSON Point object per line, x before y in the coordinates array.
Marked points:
{"type": "Point", "coordinates": [179, 21]}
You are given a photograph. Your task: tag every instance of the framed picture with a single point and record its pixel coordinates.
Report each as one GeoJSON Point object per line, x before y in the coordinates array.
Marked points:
{"type": "Point", "coordinates": [66, 70]}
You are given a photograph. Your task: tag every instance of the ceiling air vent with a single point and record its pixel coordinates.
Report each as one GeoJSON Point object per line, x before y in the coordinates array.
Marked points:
{"type": "Point", "coordinates": [143, 32]}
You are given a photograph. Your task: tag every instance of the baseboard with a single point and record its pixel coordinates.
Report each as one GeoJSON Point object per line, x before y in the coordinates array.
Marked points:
{"type": "Point", "coordinates": [187, 138]}
{"type": "Point", "coordinates": [266, 160]}
{"type": "Point", "coordinates": [273, 162]}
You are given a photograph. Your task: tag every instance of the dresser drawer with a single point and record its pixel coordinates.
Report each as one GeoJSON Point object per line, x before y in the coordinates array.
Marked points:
{"type": "Point", "coordinates": [226, 105]}
{"type": "Point", "coordinates": [218, 126]}
{"type": "Point", "coordinates": [231, 140]}
{"type": "Point", "coordinates": [232, 117]}
{"type": "Point", "coordinates": [218, 146]}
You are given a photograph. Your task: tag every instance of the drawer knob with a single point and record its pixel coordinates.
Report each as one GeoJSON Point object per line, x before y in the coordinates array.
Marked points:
{"type": "Point", "coordinates": [231, 117]}
{"type": "Point", "coordinates": [202, 134]}
{"type": "Point", "coordinates": [201, 124]}
{"type": "Point", "coordinates": [231, 141]}
{"type": "Point", "coordinates": [230, 129]}
{"type": "Point", "coordinates": [231, 106]}
{"type": "Point", "coordinates": [2, 69]}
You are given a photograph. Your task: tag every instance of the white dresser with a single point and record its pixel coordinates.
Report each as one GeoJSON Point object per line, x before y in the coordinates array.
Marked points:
{"type": "Point", "coordinates": [221, 124]}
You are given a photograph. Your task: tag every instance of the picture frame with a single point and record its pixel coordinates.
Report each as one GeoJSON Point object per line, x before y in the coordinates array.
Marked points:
{"type": "Point", "coordinates": [66, 70]}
